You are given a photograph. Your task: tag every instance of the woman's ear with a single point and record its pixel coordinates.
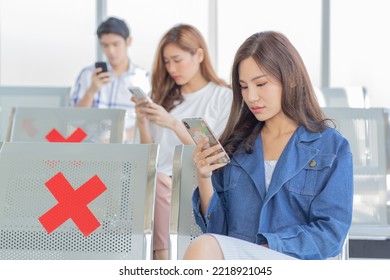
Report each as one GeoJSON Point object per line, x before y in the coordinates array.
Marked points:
{"type": "Point", "coordinates": [200, 55]}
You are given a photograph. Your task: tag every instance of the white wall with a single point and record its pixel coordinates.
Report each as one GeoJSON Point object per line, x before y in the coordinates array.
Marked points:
{"type": "Point", "coordinates": [47, 42]}
{"type": "Point", "coordinates": [299, 20]}
{"type": "Point", "coordinates": [360, 47]}
{"type": "Point", "coordinates": [149, 20]}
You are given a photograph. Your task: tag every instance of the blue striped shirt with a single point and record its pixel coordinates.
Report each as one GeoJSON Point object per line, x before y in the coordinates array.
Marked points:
{"type": "Point", "coordinates": [115, 94]}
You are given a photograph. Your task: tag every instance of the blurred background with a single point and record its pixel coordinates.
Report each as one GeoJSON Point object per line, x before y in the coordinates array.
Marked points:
{"type": "Point", "coordinates": [343, 43]}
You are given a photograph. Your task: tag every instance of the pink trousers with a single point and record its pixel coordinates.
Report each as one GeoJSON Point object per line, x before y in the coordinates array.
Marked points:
{"type": "Point", "coordinates": [162, 211]}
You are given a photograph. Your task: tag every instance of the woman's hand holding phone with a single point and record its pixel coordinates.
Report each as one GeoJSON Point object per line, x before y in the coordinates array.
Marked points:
{"type": "Point", "coordinates": [207, 159]}
{"type": "Point", "coordinates": [148, 110]}
{"type": "Point", "coordinates": [158, 115]}
{"type": "Point", "coordinates": [140, 105]}
{"type": "Point", "coordinates": [209, 154]}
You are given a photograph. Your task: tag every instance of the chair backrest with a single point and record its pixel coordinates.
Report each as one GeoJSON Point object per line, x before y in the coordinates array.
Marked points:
{"type": "Point", "coordinates": [77, 200]}
{"type": "Point", "coordinates": [354, 97]}
{"type": "Point", "coordinates": [29, 97]}
{"type": "Point", "coordinates": [335, 97]}
{"type": "Point", "coordinates": [95, 125]}
{"type": "Point", "coordinates": [367, 131]}
{"type": "Point", "coordinates": [183, 228]}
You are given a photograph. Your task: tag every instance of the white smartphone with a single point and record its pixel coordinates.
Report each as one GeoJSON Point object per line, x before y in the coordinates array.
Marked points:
{"type": "Point", "coordinates": [140, 94]}
{"type": "Point", "coordinates": [198, 129]}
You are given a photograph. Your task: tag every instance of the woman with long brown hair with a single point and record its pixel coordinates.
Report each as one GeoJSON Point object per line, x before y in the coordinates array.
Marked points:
{"type": "Point", "coordinates": [184, 84]}
{"type": "Point", "coordinates": [289, 185]}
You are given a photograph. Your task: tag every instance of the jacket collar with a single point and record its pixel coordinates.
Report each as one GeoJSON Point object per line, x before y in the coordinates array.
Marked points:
{"type": "Point", "coordinates": [253, 165]}
{"type": "Point", "coordinates": [295, 156]}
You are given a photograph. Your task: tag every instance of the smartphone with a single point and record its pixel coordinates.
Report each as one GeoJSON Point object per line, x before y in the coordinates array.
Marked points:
{"type": "Point", "coordinates": [140, 94]}
{"type": "Point", "coordinates": [199, 129]}
{"type": "Point", "coordinates": [101, 64]}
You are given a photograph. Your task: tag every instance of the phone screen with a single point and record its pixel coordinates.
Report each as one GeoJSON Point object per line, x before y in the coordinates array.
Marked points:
{"type": "Point", "coordinates": [139, 93]}
{"type": "Point", "coordinates": [199, 129]}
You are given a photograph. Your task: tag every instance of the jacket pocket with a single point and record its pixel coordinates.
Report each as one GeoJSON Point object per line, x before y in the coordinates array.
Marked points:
{"type": "Point", "coordinates": [311, 179]}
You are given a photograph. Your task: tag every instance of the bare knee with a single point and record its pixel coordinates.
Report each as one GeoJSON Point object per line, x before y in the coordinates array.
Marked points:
{"type": "Point", "coordinates": [205, 247]}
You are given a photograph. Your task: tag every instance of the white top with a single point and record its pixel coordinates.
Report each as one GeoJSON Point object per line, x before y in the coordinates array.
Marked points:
{"type": "Point", "coordinates": [269, 166]}
{"type": "Point", "coordinates": [212, 102]}
{"type": "Point", "coordinates": [115, 94]}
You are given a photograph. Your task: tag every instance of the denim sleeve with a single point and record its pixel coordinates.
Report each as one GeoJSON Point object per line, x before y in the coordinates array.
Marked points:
{"type": "Point", "coordinates": [215, 218]}
{"type": "Point", "coordinates": [330, 218]}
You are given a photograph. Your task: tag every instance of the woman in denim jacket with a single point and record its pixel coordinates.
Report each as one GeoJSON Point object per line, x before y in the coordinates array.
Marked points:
{"type": "Point", "coordinates": [289, 185]}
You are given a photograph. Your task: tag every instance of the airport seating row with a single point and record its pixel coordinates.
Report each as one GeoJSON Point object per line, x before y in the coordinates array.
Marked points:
{"type": "Point", "coordinates": [367, 130]}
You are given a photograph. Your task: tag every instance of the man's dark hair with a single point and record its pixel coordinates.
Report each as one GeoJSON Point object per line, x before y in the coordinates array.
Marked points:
{"type": "Point", "coordinates": [113, 25]}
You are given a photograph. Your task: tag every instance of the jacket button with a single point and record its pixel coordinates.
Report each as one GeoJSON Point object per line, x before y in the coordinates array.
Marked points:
{"type": "Point", "coordinates": [313, 163]}
{"type": "Point", "coordinates": [209, 216]}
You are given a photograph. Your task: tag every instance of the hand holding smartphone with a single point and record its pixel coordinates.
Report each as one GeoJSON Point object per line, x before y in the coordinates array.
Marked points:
{"type": "Point", "coordinates": [103, 65]}
{"type": "Point", "coordinates": [140, 94]}
{"type": "Point", "coordinates": [199, 129]}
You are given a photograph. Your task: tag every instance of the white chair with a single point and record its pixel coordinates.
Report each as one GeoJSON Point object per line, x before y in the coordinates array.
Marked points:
{"type": "Point", "coordinates": [35, 124]}
{"type": "Point", "coordinates": [29, 97]}
{"type": "Point", "coordinates": [183, 228]}
{"type": "Point", "coordinates": [354, 97]}
{"type": "Point", "coordinates": [36, 178]}
{"type": "Point", "coordinates": [367, 131]}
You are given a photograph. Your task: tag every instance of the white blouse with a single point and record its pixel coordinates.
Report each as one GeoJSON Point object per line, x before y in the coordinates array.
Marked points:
{"type": "Point", "coordinates": [269, 166]}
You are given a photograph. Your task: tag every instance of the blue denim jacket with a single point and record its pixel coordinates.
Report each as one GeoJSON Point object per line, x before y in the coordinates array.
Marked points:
{"type": "Point", "coordinates": [307, 210]}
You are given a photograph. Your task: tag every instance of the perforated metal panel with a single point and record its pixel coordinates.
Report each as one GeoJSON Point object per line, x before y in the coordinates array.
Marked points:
{"type": "Point", "coordinates": [99, 125]}
{"type": "Point", "coordinates": [183, 225]}
{"type": "Point", "coordinates": [127, 171]}
{"type": "Point", "coordinates": [195, 230]}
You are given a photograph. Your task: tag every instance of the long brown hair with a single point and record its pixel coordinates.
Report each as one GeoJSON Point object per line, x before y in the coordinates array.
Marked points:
{"type": "Point", "coordinates": [274, 54]}
{"type": "Point", "coordinates": [165, 91]}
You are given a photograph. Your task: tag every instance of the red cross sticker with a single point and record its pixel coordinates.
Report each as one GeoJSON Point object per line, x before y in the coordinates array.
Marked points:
{"type": "Point", "coordinates": [72, 204]}
{"type": "Point", "coordinates": [77, 136]}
